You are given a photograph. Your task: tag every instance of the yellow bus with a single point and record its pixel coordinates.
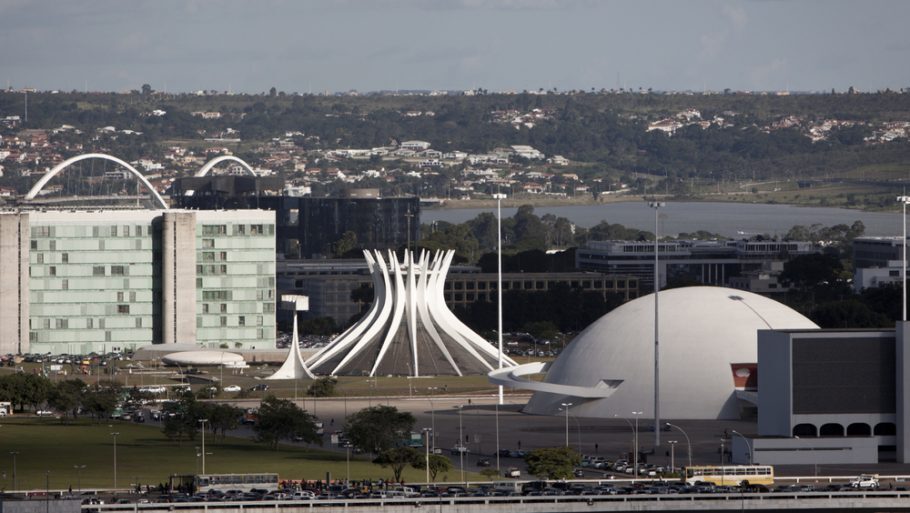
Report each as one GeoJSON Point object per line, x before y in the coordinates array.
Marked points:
{"type": "Point", "coordinates": [730, 475]}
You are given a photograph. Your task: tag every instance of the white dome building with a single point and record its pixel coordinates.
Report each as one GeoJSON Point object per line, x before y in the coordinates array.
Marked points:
{"type": "Point", "coordinates": [705, 333]}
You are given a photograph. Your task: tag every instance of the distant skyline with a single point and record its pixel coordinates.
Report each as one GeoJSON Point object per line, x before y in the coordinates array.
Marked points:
{"type": "Point", "coordinates": [340, 45]}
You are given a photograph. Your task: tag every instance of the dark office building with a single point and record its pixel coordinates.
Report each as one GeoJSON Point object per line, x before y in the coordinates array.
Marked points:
{"type": "Point", "coordinates": [309, 227]}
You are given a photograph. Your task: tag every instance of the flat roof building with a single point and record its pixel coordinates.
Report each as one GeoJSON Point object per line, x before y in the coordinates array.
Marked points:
{"type": "Point", "coordinates": [831, 396]}
{"type": "Point", "coordinates": [706, 262]}
{"type": "Point", "coordinates": [82, 281]}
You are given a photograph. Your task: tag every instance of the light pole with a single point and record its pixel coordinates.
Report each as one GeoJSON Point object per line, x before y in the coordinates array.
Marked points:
{"type": "Point", "coordinates": [203, 421]}
{"type": "Point", "coordinates": [566, 407]}
{"type": "Point", "coordinates": [904, 200]}
{"type": "Point", "coordinates": [688, 442]}
{"type": "Point", "coordinates": [433, 423]}
{"type": "Point", "coordinates": [656, 205]}
{"type": "Point", "coordinates": [79, 469]}
{"type": "Point", "coordinates": [427, 432]}
{"type": "Point", "coordinates": [115, 434]}
{"type": "Point", "coordinates": [637, 414]}
{"type": "Point", "coordinates": [672, 454]}
{"type": "Point", "coordinates": [723, 450]}
{"type": "Point", "coordinates": [15, 479]}
{"type": "Point", "coordinates": [347, 461]}
{"type": "Point", "coordinates": [460, 446]}
{"type": "Point", "coordinates": [496, 408]}
{"type": "Point", "coordinates": [748, 444]}
{"type": "Point", "coordinates": [632, 427]}
{"type": "Point", "coordinates": [499, 197]}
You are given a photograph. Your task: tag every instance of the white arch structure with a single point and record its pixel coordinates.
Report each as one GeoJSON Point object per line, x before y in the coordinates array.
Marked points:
{"type": "Point", "coordinates": [204, 170]}
{"type": "Point", "coordinates": [70, 161]}
{"type": "Point", "coordinates": [408, 329]}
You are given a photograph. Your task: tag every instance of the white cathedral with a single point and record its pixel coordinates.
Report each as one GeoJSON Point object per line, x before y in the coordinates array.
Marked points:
{"type": "Point", "coordinates": [408, 330]}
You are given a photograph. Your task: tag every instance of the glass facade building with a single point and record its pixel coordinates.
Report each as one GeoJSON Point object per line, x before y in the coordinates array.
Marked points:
{"type": "Point", "coordinates": [82, 281]}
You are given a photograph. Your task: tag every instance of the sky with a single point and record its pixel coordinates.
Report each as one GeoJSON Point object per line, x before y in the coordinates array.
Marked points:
{"type": "Point", "coordinates": [505, 45]}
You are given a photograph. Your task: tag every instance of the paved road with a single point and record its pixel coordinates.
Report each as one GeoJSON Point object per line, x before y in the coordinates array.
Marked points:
{"type": "Point", "coordinates": [612, 438]}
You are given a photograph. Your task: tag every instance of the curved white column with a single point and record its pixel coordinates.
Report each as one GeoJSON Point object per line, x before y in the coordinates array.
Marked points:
{"type": "Point", "coordinates": [382, 297]}
{"type": "Point", "coordinates": [409, 315]}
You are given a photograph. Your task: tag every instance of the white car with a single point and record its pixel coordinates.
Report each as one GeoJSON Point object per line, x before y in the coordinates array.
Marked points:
{"type": "Point", "coordinates": [232, 388]}
{"type": "Point", "coordinates": [864, 481]}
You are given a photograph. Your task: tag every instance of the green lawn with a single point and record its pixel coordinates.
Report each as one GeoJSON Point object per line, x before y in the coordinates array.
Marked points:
{"type": "Point", "coordinates": [144, 455]}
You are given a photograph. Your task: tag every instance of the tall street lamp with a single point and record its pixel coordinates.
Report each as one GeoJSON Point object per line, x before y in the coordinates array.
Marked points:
{"type": "Point", "coordinates": [79, 469]}
{"type": "Point", "coordinates": [566, 407]}
{"type": "Point", "coordinates": [499, 197]}
{"type": "Point", "coordinates": [203, 421]}
{"type": "Point", "coordinates": [15, 478]}
{"type": "Point", "coordinates": [115, 434]}
{"type": "Point", "coordinates": [688, 442]}
{"type": "Point", "coordinates": [748, 444]}
{"type": "Point", "coordinates": [904, 200]}
{"type": "Point", "coordinates": [433, 423]}
{"type": "Point", "coordinates": [426, 444]}
{"type": "Point", "coordinates": [637, 414]}
{"type": "Point", "coordinates": [656, 205]}
{"type": "Point", "coordinates": [496, 409]}
{"type": "Point", "coordinates": [460, 446]}
{"type": "Point", "coordinates": [672, 455]}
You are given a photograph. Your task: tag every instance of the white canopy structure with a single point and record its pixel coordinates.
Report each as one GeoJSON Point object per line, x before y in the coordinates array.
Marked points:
{"type": "Point", "coordinates": [408, 330]}
{"type": "Point", "coordinates": [294, 367]}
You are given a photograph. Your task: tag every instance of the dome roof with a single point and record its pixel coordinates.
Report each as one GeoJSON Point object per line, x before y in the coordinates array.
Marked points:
{"type": "Point", "coordinates": [204, 358]}
{"type": "Point", "coordinates": [703, 330]}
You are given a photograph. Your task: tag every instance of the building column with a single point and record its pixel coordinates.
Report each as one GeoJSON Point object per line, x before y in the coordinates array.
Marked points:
{"type": "Point", "coordinates": [178, 278]}
{"type": "Point", "coordinates": [15, 235]}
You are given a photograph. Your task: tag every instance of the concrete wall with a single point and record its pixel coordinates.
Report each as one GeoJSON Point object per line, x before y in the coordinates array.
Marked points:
{"type": "Point", "coordinates": [802, 451]}
{"type": "Point", "coordinates": [178, 278]}
{"type": "Point", "coordinates": [774, 383]}
{"type": "Point", "coordinates": [14, 255]}
{"type": "Point", "coordinates": [41, 506]}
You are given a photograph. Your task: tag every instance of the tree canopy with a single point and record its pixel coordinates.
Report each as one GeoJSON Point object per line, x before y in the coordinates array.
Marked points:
{"type": "Point", "coordinates": [378, 428]}
{"type": "Point", "coordinates": [281, 419]}
{"type": "Point", "coordinates": [553, 462]}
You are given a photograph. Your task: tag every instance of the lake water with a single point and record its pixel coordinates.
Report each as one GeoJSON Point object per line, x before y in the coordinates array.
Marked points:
{"type": "Point", "coordinates": [728, 219]}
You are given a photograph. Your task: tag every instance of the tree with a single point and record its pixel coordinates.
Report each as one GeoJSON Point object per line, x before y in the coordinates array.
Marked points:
{"type": "Point", "coordinates": [66, 397]}
{"type": "Point", "coordinates": [222, 417]}
{"type": "Point", "coordinates": [146, 90]}
{"type": "Point", "coordinates": [378, 428]}
{"type": "Point", "coordinates": [438, 463]}
{"type": "Point", "coordinates": [553, 462]}
{"type": "Point", "coordinates": [398, 458]}
{"type": "Point", "coordinates": [182, 420]}
{"type": "Point", "coordinates": [273, 92]}
{"type": "Point", "coordinates": [347, 243]}
{"type": "Point", "coordinates": [100, 402]}
{"type": "Point", "coordinates": [280, 419]}
{"type": "Point", "coordinates": [809, 270]}
{"type": "Point", "coordinates": [323, 387]}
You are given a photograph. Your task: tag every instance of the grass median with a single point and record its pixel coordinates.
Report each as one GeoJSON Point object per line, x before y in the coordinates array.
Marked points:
{"type": "Point", "coordinates": [50, 453]}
